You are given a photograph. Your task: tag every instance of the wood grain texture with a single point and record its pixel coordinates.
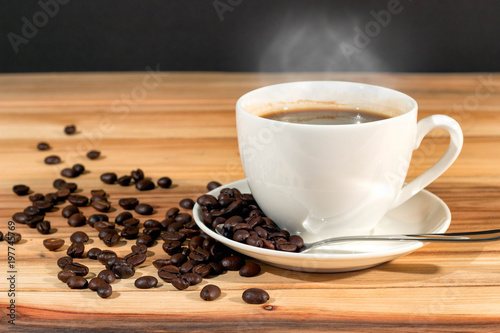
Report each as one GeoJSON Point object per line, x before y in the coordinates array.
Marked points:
{"type": "Point", "coordinates": [182, 125]}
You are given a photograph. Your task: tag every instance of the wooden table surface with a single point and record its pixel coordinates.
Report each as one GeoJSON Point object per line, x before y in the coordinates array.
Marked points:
{"type": "Point", "coordinates": [182, 125]}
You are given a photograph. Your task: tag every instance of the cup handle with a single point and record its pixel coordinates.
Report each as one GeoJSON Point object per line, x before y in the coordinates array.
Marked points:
{"type": "Point", "coordinates": [424, 126]}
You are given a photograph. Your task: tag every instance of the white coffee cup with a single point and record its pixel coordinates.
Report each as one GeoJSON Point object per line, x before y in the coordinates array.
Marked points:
{"type": "Point", "coordinates": [323, 181]}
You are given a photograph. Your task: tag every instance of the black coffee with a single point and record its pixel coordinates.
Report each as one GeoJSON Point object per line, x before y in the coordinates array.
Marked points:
{"type": "Point", "coordinates": [324, 116]}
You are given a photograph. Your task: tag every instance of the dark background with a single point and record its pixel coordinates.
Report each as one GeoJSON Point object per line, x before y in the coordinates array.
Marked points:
{"type": "Point", "coordinates": [248, 35]}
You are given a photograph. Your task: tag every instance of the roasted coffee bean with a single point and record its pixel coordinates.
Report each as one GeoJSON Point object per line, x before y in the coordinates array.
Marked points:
{"type": "Point", "coordinates": [178, 259]}
{"type": "Point", "coordinates": [36, 197]}
{"type": "Point", "coordinates": [75, 250]}
{"type": "Point", "coordinates": [12, 237]}
{"type": "Point", "coordinates": [21, 217]}
{"type": "Point", "coordinates": [286, 247]}
{"type": "Point", "coordinates": [105, 290]}
{"type": "Point", "coordinates": [210, 292]}
{"type": "Point", "coordinates": [94, 283]}
{"type": "Point", "coordinates": [122, 217]}
{"type": "Point", "coordinates": [109, 178]}
{"type": "Point", "coordinates": [139, 249]}
{"type": "Point", "coordinates": [172, 212]}
{"type": "Point", "coordinates": [166, 222]}
{"type": "Point", "coordinates": [192, 278]}
{"type": "Point", "coordinates": [93, 219]}
{"type": "Point", "coordinates": [63, 261]}
{"type": "Point", "coordinates": [250, 269]}
{"type": "Point", "coordinates": [168, 272]}
{"type": "Point", "coordinates": [137, 175]}
{"type": "Point", "coordinates": [183, 218]}
{"type": "Point", "coordinates": [194, 242]}
{"type": "Point", "coordinates": [69, 173]}
{"type": "Point", "coordinates": [20, 189]}
{"type": "Point", "coordinates": [172, 247]}
{"type": "Point", "coordinates": [164, 182]}
{"type": "Point", "coordinates": [110, 237]}
{"type": "Point", "coordinates": [77, 282]}
{"type": "Point", "coordinates": [79, 269]}
{"type": "Point", "coordinates": [63, 194]}
{"type": "Point", "coordinates": [34, 220]}
{"type": "Point", "coordinates": [98, 193]}
{"type": "Point", "coordinates": [131, 222]}
{"type": "Point", "coordinates": [50, 197]}
{"type": "Point", "coordinates": [144, 209]}
{"type": "Point", "coordinates": [199, 254]}
{"type": "Point", "coordinates": [180, 283]}
{"type": "Point", "coordinates": [69, 210]}
{"type": "Point", "coordinates": [52, 159]}
{"type": "Point", "coordinates": [146, 282]}
{"type": "Point", "coordinates": [43, 227]}
{"type": "Point", "coordinates": [145, 240]}
{"type": "Point", "coordinates": [159, 263]}
{"type": "Point", "coordinates": [79, 237]}
{"type": "Point", "coordinates": [93, 253]}
{"type": "Point", "coordinates": [130, 232]}
{"type": "Point", "coordinates": [65, 274]}
{"type": "Point", "coordinates": [233, 263]}
{"type": "Point", "coordinates": [43, 146]}
{"type": "Point", "coordinates": [93, 154]}
{"type": "Point", "coordinates": [255, 296]}
{"type": "Point", "coordinates": [152, 224]}
{"type": "Point", "coordinates": [70, 129]}
{"type": "Point", "coordinates": [297, 241]}
{"type": "Point", "coordinates": [241, 235]}
{"type": "Point", "coordinates": [128, 203]}
{"type": "Point", "coordinates": [254, 241]}
{"type": "Point", "coordinates": [215, 268]}
{"type": "Point", "coordinates": [175, 226]}
{"type": "Point", "coordinates": [213, 185]}
{"type": "Point", "coordinates": [186, 203]}
{"type": "Point", "coordinates": [124, 180]}
{"type": "Point", "coordinates": [187, 266]}
{"type": "Point", "coordinates": [174, 236]}
{"type": "Point", "coordinates": [78, 200]}
{"type": "Point", "coordinates": [72, 187]}
{"type": "Point", "coordinates": [58, 183]}
{"type": "Point", "coordinates": [202, 270]}
{"type": "Point", "coordinates": [104, 225]}
{"type": "Point", "coordinates": [123, 270]}
{"type": "Point", "coordinates": [107, 275]}
{"type": "Point", "coordinates": [135, 259]}
{"type": "Point", "coordinates": [145, 185]}
{"type": "Point", "coordinates": [208, 201]}
{"type": "Point", "coordinates": [77, 220]}
{"type": "Point", "coordinates": [101, 206]}
{"type": "Point", "coordinates": [32, 211]}
{"type": "Point", "coordinates": [53, 244]}
{"type": "Point", "coordinates": [78, 168]}
{"type": "Point", "coordinates": [105, 255]}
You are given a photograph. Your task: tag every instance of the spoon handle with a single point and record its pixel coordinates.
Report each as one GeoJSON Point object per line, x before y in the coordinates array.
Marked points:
{"type": "Point", "coordinates": [475, 236]}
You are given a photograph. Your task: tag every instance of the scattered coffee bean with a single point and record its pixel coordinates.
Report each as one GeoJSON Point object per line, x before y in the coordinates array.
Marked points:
{"type": "Point", "coordinates": [144, 209]}
{"type": "Point", "coordinates": [145, 185]}
{"type": "Point", "coordinates": [95, 283]}
{"type": "Point", "coordinates": [69, 210]}
{"type": "Point", "coordinates": [93, 219]}
{"type": "Point", "coordinates": [43, 205]}
{"type": "Point", "coordinates": [233, 262]}
{"type": "Point", "coordinates": [36, 197]}
{"type": "Point", "coordinates": [63, 261]}
{"type": "Point", "coordinates": [32, 211]}
{"type": "Point", "coordinates": [250, 269]}
{"type": "Point", "coordinates": [123, 270]}
{"type": "Point", "coordinates": [65, 274]}
{"type": "Point", "coordinates": [98, 194]}
{"type": "Point", "coordinates": [79, 237]}
{"type": "Point", "coordinates": [78, 168]}
{"type": "Point", "coordinates": [78, 200]}
{"type": "Point", "coordinates": [146, 282]}
{"type": "Point", "coordinates": [43, 227]}
{"type": "Point", "coordinates": [77, 282]}
{"type": "Point", "coordinates": [105, 255]}
{"type": "Point", "coordinates": [124, 180]}
{"type": "Point", "coordinates": [75, 250]}
{"type": "Point", "coordinates": [139, 249]}
{"type": "Point", "coordinates": [52, 159]}
{"type": "Point", "coordinates": [128, 203]}
{"type": "Point", "coordinates": [20, 189]}
{"type": "Point", "coordinates": [104, 291]}
{"type": "Point", "coordinates": [137, 175]}
{"type": "Point", "coordinates": [145, 240]}
{"type": "Point", "coordinates": [70, 129]}
{"type": "Point", "coordinates": [255, 296]}
{"type": "Point", "coordinates": [192, 278]}
{"type": "Point", "coordinates": [122, 217]}
{"type": "Point", "coordinates": [172, 212]}
{"type": "Point", "coordinates": [70, 186]}
{"type": "Point", "coordinates": [164, 182]}
{"type": "Point", "coordinates": [101, 206]}
{"type": "Point", "coordinates": [213, 185]}
{"type": "Point", "coordinates": [53, 244]}
{"type": "Point", "coordinates": [109, 178]}
{"type": "Point", "coordinates": [135, 259]}
{"type": "Point", "coordinates": [168, 272]}
{"type": "Point", "coordinates": [77, 220]}
{"type": "Point", "coordinates": [180, 283]}
{"type": "Point", "coordinates": [93, 154]}
{"type": "Point", "coordinates": [130, 232]}
{"type": "Point", "coordinates": [79, 269]}
{"type": "Point", "coordinates": [93, 253]}
{"type": "Point", "coordinates": [210, 292]}
{"type": "Point", "coordinates": [109, 237]}
{"type": "Point", "coordinates": [21, 217]}
{"type": "Point", "coordinates": [12, 237]}
{"type": "Point", "coordinates": [103, 225]}
{"type": "Point", "coordinates": [63, 194]}
{"type": "Point", "coordinates": [58, 183]}
{"type": "Point", "coordinates": [43, 146]}
{"type": "Point", "coordinates": [107, 275]}
{"type": "Point", "coordinates": [69, 173]}
{"type": "Point", "coordinates": [186, 203]}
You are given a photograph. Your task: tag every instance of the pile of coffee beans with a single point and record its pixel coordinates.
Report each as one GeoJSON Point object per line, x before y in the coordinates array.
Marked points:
{"type": "Point", "coordinates": [243, 221]}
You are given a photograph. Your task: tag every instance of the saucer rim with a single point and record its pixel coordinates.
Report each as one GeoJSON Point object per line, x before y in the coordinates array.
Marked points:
{"type": "Point", "coordinates": [384, 252]}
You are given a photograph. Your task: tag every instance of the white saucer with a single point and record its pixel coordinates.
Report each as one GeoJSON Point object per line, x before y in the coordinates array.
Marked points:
{"type": "Point", "coordinates": [423, 213]}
